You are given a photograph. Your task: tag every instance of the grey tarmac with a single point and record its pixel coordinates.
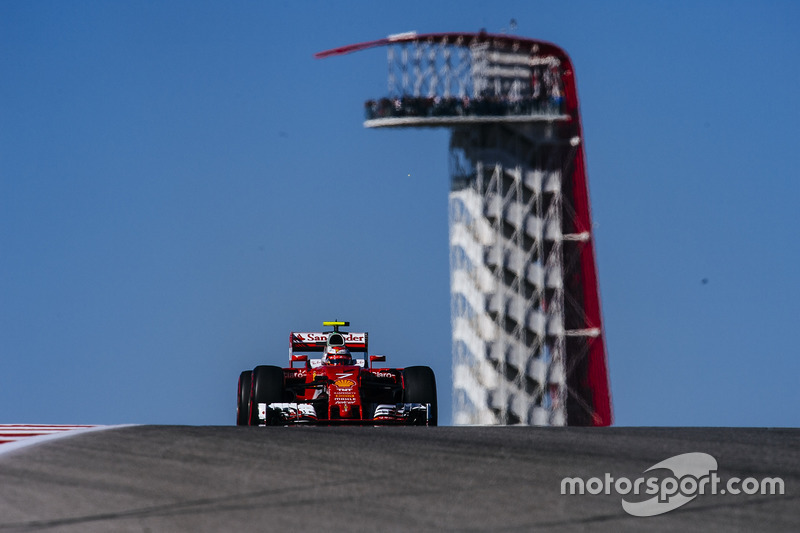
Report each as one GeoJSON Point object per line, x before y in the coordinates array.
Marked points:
{"type": "Point", "coordinates": [214, 478]}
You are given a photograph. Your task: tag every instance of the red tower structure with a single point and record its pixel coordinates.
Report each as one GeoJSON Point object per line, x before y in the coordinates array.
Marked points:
{"type": "Point", "coordinates": [528, 340]}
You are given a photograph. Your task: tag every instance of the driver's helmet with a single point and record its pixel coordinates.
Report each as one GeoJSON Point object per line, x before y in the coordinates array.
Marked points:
{"type": "Point", "coordinates": [337, 355]}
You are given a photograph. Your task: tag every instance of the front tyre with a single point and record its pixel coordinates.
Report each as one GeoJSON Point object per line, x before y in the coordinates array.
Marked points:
{"type": "Point", "coordinates": [243, 398]}
{"type": "Point", "coordinates": [419, 386]}
{"type": "Point", "coordinates": [266, 387]}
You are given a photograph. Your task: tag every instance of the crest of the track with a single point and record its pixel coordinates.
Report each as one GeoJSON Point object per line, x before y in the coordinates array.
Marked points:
{"type": "Point", "coordinates": [178, 478]}
{"type": "Point", "coordinates": [16, 436]}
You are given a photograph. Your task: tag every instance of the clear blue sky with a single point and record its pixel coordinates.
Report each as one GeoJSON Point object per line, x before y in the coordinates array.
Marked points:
{"type": "Point", "coordinates": [182, 184]}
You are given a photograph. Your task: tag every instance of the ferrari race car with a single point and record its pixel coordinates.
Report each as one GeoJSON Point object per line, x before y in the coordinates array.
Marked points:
{"type": "Point", "coordinates": [336, 389]}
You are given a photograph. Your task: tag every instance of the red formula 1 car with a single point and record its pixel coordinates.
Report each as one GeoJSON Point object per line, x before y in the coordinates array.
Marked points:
{"type": "Point", "coordinates": [336, 389]}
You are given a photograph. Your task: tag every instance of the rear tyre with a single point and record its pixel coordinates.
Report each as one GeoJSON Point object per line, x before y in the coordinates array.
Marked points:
{"type": "Point", "coordinates": [243, 398]}
{"type": "Point", "coordinates": [266, 387]}
{"type": "Point", "coordinates": [419, 386]}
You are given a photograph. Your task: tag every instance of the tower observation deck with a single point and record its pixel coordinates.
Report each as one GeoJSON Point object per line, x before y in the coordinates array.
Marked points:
{"type": "Point", "coordinates": [528, 341]}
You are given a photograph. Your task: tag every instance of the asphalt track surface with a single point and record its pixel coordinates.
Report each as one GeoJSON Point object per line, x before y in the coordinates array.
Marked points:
{"type": "Point", "coordinates": [183, 478]}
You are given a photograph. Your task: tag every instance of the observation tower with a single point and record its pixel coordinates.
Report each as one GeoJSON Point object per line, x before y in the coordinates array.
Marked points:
{"type": "Point", "coordinates": [528, 341]}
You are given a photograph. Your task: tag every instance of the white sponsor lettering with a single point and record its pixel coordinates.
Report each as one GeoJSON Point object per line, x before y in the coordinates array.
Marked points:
{"type": "Point", "coordinates": [350, 338]}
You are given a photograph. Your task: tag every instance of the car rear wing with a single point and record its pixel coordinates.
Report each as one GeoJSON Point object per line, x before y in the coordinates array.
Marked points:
{"type": "Point", "coordinates": [315, 342]}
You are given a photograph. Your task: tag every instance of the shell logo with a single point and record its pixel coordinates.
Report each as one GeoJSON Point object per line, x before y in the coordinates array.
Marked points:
{"type": "Point", "coordinates": [345, 383]}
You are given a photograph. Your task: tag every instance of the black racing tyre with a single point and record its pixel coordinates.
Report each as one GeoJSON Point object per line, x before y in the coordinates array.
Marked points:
{"type": "Point", "coordinates": [266, 387]}
{"type": "Point", "coordinates": [243, 398]}
{"type": "Point", "coordinates": [419, 386]}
